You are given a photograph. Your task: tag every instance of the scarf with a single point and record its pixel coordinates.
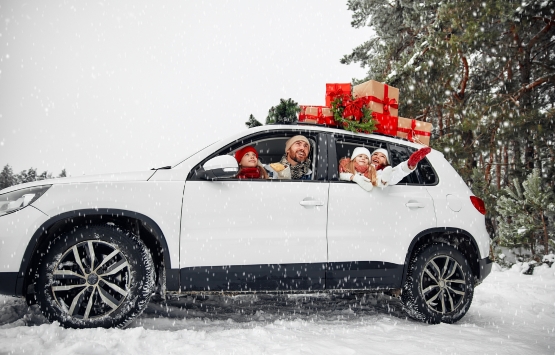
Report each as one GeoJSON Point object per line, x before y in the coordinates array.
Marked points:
{"type": "Point", "coordinates": [299, 170]}
{"type": "Point", "coordinates": [361, 169]}
{"type": "Point", "coordinates": [365, 171]}
{"type": "Point", "coordinates": [249, 173]}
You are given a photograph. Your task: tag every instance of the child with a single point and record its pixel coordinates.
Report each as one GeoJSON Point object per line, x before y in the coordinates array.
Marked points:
{"type": "Point", "coordinates": [359, 169]}
{"type": "Point", "coordinates": [247, 158]}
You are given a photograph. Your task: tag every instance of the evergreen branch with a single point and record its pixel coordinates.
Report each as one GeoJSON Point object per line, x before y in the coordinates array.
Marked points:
{"type": "Point", "coordinates": [542, 32]}
{"type": "Point", "coordinates": [531, 86]}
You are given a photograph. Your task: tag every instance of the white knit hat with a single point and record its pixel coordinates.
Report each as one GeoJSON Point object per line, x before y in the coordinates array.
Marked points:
{"type": "Point", "coordinates": [384, 152]}
{"type": "Point", "coordinates": [360, 150]}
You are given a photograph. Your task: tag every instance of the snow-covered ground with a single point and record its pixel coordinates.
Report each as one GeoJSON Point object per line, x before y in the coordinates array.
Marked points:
{"type": "Point", "coordinates": [512, 313]}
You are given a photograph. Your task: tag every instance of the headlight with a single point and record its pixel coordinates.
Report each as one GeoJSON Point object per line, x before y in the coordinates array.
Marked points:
{"type": "Point", "coordinates": [16, 200]}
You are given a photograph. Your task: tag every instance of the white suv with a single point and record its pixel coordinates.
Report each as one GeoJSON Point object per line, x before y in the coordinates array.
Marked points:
{"type": "Point", "coordinates": [92, 250]}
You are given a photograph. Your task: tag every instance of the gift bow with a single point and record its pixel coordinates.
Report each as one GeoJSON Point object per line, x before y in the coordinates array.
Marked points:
{"type": "Point", "coordinates": [338, 93]}
{"type": "Point", "coordinates": [353, 108]}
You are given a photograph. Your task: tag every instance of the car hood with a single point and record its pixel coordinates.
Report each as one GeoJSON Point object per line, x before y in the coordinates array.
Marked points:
{"type": "Point", "coordinates": [113, 177]}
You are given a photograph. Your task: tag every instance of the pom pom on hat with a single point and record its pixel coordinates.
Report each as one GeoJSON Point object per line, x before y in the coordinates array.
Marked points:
{"type": "Point", "coordinates": [241, 153]}
{"type": "Point", "coordinates": [294, 139]}
{"type": "Point", "coordinates": [384, 152]}
{"type": "Point", "coordinates": [360, 150]}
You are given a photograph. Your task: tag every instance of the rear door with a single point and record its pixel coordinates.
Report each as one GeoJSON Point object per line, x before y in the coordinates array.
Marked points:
{"type": "Point", "coordinates": [244, 235]}
{"type": "Point", "coordinates": [369, 233]}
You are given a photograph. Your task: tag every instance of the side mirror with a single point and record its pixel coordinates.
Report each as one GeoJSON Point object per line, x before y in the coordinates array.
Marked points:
{"type": "Point", "coordinates": [222, 166]}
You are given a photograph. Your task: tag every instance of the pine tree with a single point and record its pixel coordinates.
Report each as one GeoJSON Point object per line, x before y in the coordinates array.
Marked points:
{"type": "Point", "coordinates": [480, 71]}
{"type": "Point", "coordinates": [27, 176]}
{"type": "Point", "coordinates": [523, 213]}
{"type": "Point", "coordinates": [63, 174]}
{"type": "Point", "coordinates": [285, 112]}
{"type": "Point", "coordinates": [541, 203]}
{"type": "Point", "coordinates": [7, 178]}
{"type": "Point", "coordinates": [252, 122]}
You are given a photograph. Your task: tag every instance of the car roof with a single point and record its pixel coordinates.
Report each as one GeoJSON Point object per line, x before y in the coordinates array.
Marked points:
{"type": "Point", "coordinates": [321, 128]}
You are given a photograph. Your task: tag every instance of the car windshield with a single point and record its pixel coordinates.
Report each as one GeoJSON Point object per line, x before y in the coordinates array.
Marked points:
{"type": "Point", "coordinates": [177, 164]}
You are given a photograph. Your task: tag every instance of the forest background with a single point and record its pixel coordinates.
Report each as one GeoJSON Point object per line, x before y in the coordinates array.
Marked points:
{"type": "Point", "coordinates": [483, 73]}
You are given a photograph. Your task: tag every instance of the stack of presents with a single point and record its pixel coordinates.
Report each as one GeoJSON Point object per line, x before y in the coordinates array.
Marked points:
{"type": "Point", "coordinates": [382, 99]}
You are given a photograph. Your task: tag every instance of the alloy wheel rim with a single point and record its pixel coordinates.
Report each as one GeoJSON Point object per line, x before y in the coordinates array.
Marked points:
{"type": "Point", "coordinates": [91, 280]}
{"type": "Point", "coordinates": [442, 284]}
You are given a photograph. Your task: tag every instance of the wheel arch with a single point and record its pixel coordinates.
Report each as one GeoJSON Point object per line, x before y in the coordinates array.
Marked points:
{"type": "Point", "coordinates": [147, 230]}
{"type": "Point", "coordinates": [458, 238]}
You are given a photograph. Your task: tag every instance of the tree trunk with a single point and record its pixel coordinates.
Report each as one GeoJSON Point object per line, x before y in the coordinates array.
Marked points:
{"type": "Point", "coordinates": [545, 235]}
{"type": "Point", "coordinates": [506, 165]}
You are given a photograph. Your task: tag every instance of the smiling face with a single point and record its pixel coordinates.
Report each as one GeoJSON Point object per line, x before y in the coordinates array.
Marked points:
{"type": "Point", "coordinates": [378, 159]}
{"type": "Point", "coordinates": [298, 152]}
{"type": "Point", "coordinates": [362, 160]}
{"type": "Point", "coordinates": [249, 160]}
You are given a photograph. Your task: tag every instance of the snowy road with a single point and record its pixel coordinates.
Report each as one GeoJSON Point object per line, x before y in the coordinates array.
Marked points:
{"type": "Point", "coordinates": [511, 313]}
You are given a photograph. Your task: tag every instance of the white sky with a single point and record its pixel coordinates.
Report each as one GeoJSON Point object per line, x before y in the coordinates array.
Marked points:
{"type": "Point", "coordinates": [98, 87]}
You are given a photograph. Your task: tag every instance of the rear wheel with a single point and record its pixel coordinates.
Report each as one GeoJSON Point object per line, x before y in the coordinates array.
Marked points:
{"type": "Point", "coordinates": [439, 285]}
{"type": "Point", "coordinates": [96, 276]}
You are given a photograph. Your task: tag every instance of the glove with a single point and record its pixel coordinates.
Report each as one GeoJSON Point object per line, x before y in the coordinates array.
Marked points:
{"type": "Point", "coordinates": [418, 156]}
{"type": "Point", "coordinates": [345, 176]}
{"type": "Point", "coordinates": [363, 182]}
{"type": "Point", "coordinates": [385, 176]}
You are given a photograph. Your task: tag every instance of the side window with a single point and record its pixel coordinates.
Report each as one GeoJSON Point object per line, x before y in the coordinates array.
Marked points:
{"type": "Point", "coordinates": [427, 173]}
{"type": "Point", "coordinates": [270, 148]}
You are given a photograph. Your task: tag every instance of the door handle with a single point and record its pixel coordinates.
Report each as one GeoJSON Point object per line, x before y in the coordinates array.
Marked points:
{"type": "Point", "coordinates": [311, 203]}
{"type": "Point", "coordinates": [413, 204]}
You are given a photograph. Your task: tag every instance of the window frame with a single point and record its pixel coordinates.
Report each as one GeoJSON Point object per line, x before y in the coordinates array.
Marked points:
{"type": "Point", "coordinates": [333, 171]}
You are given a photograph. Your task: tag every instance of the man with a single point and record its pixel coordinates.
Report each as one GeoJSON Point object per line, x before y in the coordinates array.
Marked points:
{"type": "Point", "coordinates": [295, 163]}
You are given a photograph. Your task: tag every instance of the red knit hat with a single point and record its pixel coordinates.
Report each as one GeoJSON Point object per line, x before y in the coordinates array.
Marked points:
{"type": "Point", "coordinates": [241, 152]}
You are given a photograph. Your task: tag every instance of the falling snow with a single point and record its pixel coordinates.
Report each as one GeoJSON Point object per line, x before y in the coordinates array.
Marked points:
{"type": "Point", "coordinates": [510, 311]}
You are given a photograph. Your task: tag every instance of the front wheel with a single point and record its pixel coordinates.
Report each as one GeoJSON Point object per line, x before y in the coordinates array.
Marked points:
{"type": "Point", "coordinates": [439, 285]}
{"type": "Point", "coordinates": [97, 276]}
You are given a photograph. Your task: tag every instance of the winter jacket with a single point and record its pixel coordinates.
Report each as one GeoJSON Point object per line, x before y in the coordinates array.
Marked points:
{"type": "Point", "coordinates": [285, 174]}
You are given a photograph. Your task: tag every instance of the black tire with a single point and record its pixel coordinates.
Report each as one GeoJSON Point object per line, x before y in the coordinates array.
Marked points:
{"type": "Point", "coordinates": [439, 285]}
{"type": "Point", "coordinates": [97, 276]}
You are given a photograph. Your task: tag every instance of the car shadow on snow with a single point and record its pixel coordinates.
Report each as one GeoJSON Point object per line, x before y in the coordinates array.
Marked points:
{"type": "Point", "coordinates": [272, 307]}
{"type": "Point", "coordinates": [241, 308]}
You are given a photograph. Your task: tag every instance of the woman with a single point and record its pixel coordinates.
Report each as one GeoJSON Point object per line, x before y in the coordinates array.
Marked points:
{"type": "Point", "coordinates": [247, 158]}
{"type": "Point", "coordinates": [391, 176]}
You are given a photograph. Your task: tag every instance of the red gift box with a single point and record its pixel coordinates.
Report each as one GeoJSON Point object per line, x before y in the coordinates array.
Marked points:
{"type": "Point", "coordinates": [386, 124]}
{"type": "Point", "coordinates": [317, 114]}
{"type": "Point", "coordinates": [335, 90]}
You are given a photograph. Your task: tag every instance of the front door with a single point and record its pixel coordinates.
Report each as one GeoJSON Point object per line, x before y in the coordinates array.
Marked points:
{"type": "Point", "coordinates": [246, 235]}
